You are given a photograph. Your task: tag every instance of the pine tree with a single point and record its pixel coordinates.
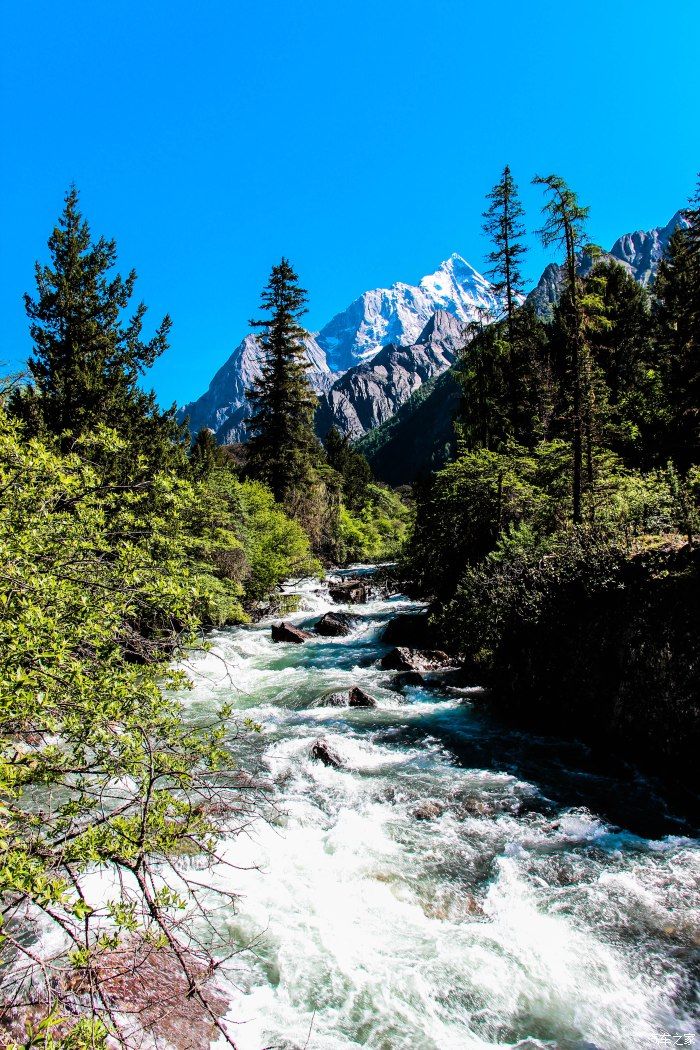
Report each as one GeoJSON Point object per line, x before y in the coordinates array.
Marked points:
{"type": "Point", "coordinates": [205, 454]}
{"type": "Point", "coordinates": [87, 358]}
{"type": "Point", "coordinates": [677, 315]}
{"type": "Point", "coordinates": [282, 444]}
{"type": "Point", "coordinates": [502, 223]}
{"type": "Point", "coordinates": [564, 227]}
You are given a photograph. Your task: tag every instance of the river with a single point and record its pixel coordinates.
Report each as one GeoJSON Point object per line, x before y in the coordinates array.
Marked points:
{"type": "Point", "coordinates": [549, 900]}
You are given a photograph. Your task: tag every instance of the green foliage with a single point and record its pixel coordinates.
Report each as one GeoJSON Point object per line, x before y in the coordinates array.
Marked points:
{"type": "Point", "coordinates": [377, 531]}
{"type": "Point", "coordinates": [87, 358]}
{"type": "Point", "coordinates": [98, 769]}
{"type": "Point", "coordinates": [352, 466]}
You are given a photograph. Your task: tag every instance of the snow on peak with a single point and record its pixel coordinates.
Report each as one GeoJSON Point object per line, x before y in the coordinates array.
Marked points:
{"type": "Point", "coordinates": [399, 314]}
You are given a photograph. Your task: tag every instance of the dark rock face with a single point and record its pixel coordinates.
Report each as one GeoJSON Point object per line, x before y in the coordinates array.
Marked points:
{"type": "Point", "coordinates": [359, 698]}
{"type": "Point", "coordinates": [420, 437]}
{"type": "Point", "coordinates": [370, 393]}
{"type": "Point", "coordinates": [324, 751]}
{"type": "Point", "coordinates": [334, 625]}
{"type": "Point", "coordinates": [352, 592]}
{"type": "Point", "coordinates": [287, 632]}
{"type": "Point", "coordinates": [403, 659]}
{"type": "Point", "coordinates": [336, 699]}
{"type": "Point", "coordinates": [408, 629]}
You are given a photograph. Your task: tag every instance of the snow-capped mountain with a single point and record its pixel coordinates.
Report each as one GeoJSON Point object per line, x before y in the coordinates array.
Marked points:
{"type": "Point", "coordinates": [396, 315]}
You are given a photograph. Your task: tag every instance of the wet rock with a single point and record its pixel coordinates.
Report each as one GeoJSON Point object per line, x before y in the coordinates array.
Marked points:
{"type": "Point", "coordinates": [359, 698]}
{"type": "Point", "coordinates": [473, 806]}
{"type": "Point", "coordinates": [354, 592]}
{"type": "Point", "coordinates": [287, 632]}
{"type": "Point", "coordinates": [406, 679]}
{"type": "Point", "coordinates": [334, 625]}
{"type": "Point", "coordinates": [408, 629]}
{"type": "Point", "coordinates": [324, 751]}
{"type": "Point", "coordinates": [404, 659]}
{"type": "Point", "coordinates": [336, 699]}
{"type": "Point", "coordinates": [428, 810]}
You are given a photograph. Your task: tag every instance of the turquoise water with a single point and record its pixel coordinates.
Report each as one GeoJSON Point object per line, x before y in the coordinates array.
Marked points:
{"type": "Point", "coordinates": [549, 902]}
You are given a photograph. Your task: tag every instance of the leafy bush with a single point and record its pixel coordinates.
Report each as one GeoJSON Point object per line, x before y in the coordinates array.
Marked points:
{"type": "Point", "coordinates": [377, 531]}
{"type": "Point", "coordinates": [98, 769]}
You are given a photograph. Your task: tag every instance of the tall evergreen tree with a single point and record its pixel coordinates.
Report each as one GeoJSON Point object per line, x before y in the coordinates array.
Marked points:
{"type": "Point", "coordinates": [677, 315]}
{"type": "Point", "coordinates": [502, 223]}
{"type": "Point", "coordinates": [564, 227]}
{"type": "Point", "coordinates": [87, 357]}
{"type": "Point", "coordinates": [282, 444]}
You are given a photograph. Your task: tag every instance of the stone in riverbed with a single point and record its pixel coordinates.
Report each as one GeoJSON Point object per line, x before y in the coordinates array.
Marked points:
{"type": "Point", "coordinates": [428, 810]}
{"type": "Point", "coordinates": [359, 698]}
{"type": "Point", "coordinates": [287, 632]}
{"type": "Point", "coordinates": [336, 699]}
{"type": "Point", "coordinates": [324, 751]}
{"type": "Point", "coordinates": [405, 679]}
{"type": "Point", "coordinates": [403, 659]}
{"type": "Point", "coordinates": [334, 625]}
{"type": "Point", "coordinates": [354, 592]}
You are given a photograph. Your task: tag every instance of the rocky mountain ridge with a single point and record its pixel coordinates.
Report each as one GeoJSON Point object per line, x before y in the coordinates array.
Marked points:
{"type": "Point", "coordinates": [397, 315]}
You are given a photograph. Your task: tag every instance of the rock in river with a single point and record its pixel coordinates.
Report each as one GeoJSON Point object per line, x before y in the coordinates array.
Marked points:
{"type": "Point", "coordinates": [334, 625]}
{"type": "Point", "coordinates": [409, 629]}
{"type": "Point", "coordinates": [428, 810]}
{"type": "Point", "coordinates": [287, 632]}
{"type": "Point", "coordinates": [402, 659]}
{"type": "Point", "coordinates": [336, 699]}
{"type": "Point", "coordinates": [324, 751]}
{"type": "Point", "coordinates": [352, 591]}
{"type": "Point", "coordinates": [359, 698]}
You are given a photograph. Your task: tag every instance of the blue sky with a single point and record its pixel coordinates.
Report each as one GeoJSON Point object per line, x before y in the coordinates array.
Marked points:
{"type": "Point", "coordinates": [357, 138]}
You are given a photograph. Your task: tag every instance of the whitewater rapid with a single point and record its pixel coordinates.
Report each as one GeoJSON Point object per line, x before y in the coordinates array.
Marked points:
{"type": "Point", "coordinates": [548, 902]}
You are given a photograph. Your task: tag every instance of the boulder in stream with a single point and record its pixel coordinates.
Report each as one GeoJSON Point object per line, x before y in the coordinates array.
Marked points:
{"type": "Point", "coordinates": [335, 699]}
{"type": "Point", "coordinates": [353, 592]}
{"type": "Point", "coordinates": [403, 659]}
{"type": "Point", "coordinates": [359, 698]}
{"type": "Point", "coordinates": [406, 679]}
{"type": "Point", "coordinates": [334, 625]}
{"type": "Point", "coordinates": [429, 809]}
{"type": "Point", "coordinates": [324, 751]}
{"type": "Point", "coordinates": [287, 632]}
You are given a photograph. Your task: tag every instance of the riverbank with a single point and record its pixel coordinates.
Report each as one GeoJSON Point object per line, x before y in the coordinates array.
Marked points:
{"type": "Point", "coordinates": [455, 883]}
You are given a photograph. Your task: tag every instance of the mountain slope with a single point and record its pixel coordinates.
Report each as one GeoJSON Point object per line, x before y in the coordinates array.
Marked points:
{"type": "Point", "coordinates": [417, 439]}
{"type": "Point", "coordinates": [639, 252]}
{"type": "Point", "coordinates": [379, 317]}
{"type": "Point", "coordinates": [368, 394]}
{"type": "Point", "coordinates": [224, 407]}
